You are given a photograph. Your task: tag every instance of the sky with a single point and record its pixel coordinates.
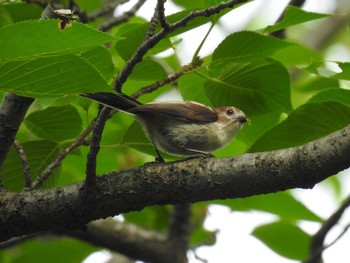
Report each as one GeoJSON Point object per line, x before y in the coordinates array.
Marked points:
{"type": "Point", "coordinates": [234, 242]}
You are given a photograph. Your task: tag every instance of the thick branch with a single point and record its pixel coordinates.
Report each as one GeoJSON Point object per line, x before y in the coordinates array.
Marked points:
{"type": "Point", "coordinates": [128, 239]}
{"type": "Point", "coordinates": [181, 182]}
{"type": "Point", "coordinates": [12, 111]}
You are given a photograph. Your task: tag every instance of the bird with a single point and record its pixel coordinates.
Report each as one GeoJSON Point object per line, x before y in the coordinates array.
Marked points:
{"type": "Point", "coordinates": [180, 128]}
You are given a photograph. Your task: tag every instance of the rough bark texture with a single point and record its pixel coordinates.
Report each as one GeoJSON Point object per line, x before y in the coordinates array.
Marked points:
{"type": "Point", "coordinates": [12, 111]}
{"type": "Point", "coordinates": [181, 182]}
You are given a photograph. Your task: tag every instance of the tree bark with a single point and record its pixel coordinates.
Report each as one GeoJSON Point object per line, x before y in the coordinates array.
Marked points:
{"type": "Point", "coordinates": [187, 181]}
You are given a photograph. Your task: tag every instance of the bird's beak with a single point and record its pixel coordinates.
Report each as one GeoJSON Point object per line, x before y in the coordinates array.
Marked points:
{"type": "Point", "coordinates": [244, 119]}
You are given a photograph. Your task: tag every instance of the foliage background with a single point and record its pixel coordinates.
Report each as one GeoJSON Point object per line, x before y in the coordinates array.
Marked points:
{"type": "Point", "coordinates": [287, 87]}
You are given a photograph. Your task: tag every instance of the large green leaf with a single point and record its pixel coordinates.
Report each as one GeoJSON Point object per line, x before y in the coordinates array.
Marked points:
{"type": "Point", "coordinates": [55, 123]}
{"type": "Point", "coordinates": [101, 59]}
{"type": "Point", "coordinates": [293, 16]}
{"type": "Point", "coordinates": [282, 204]}
{"type": "Point", "coordinates": [51, 76]}
{"type": "Point", "coordinates": [247, 47]}
{"type": "Point", "coordinates": [339, 95]}
{"type": "Point", "coordinates": [39, 155]}
{"type": "Point", "coordinates": [47, 249]}
{"type": "Point", "coordinates": [30, 39]}
{"type": "Point", "coordinates": [256, 88]}
{"type": "Point", "coordinates": [285, 239]}
{"type": "Point", "coordinates": [308, 122]}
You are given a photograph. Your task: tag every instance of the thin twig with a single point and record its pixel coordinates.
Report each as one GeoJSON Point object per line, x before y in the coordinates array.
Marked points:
{"type": "Point", "coordinates": [95, 145]}
{"type": "Point", "coordinates": [25, 165]}
{"type": "Point", "coordinates": [152, 41]}
{"type": "Point", "coordinates": [317, 242]}
{"type": "Point", "coordinates": [122, 18]}
{"type": "Point", "coordinates": [171, 78]}
{"type": "Point", "coordinates": [161, 15]}
{"type": "Point", "coordinates": [61, 156]}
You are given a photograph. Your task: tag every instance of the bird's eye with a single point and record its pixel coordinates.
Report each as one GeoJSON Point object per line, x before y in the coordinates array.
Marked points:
{"type": "Point", "coordinates": [230, 112]}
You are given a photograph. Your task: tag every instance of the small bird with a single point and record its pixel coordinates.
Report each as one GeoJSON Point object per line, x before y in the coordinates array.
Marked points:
{"type": "Point", "coordinates": [181, 128]}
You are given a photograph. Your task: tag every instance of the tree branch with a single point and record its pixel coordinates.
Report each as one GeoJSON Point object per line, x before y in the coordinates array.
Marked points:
{"type": "Point", "coordinates": [26, 168]}
{"type": "Point", "coordinates": [12, 111]}
{"type": "Point", "coordinates": [95, 145]}
{"type": "Point", "coordinates": [187, 181]}
{"type": "Point", "coordinates": [317, 242]}
{"type": "Point", "coordinates": [126, 238]}
{"type": "Point", "coordinates": [108, 24]}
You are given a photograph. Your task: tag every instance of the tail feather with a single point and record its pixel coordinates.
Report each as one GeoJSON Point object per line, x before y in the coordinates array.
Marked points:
{"type": "Point", "coordinates": [117, 101]}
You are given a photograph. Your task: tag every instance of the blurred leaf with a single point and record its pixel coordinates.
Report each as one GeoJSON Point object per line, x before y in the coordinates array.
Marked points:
{"type": "Point", "coordinates": [30, 39]}
{"type": "Point", "coordinates": [345, 74]}
{"type": "Point", "coordinates": [282, 204]}
{"type": "Point", "coordinates": [317, 83]}
{"type": "Point", "coordinates": [293, 16]}
{"type": "Point", "coordinates": [296, 55]}
{"type": "Point", "coordinates": [52, 249]}
{"type": "Point", "coordinates": [192, 88]}
{"type": "Point", "coordinates": [247, 47]}
{"type": "Point", "coordinates": [249, 87]}
{"type": "Point", "coordinates": [51, 77]}
{"type": "Point", "coordinates": [154, 217]}
{"type": "Point", "coordinates": [55, 123]}
{"type": "Point", "coordinates": [285, 239]}
{"type": "Point", "coordinates": [136, 138]}
{"type": "Point", "coordinates": [90, 5]}
{"type": "Point", "coordinates": [308, 122]}
{"type": "Point", "coordinates": [148, 70]}
{"type": "Point", "coordinates": [339, 95]}
{"type": "Point", "coordinates": [5, 17]}
{"type": "Point", "coordinates": [101, 58]}
{"type": "Point", "coordinates": [39, 154]}
{"type": "Point", "coordinates": [22, 11]}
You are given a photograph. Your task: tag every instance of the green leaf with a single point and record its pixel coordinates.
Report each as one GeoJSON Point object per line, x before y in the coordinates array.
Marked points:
{"type": "Point", "coordinates": [296, 55]}
{"type": "Point", "coordinates": [250, 87]}
{"type": "Point", "coordinates": [22, 11]}
{"type": "Point", "coordinates": [247, 47]}
{"type": "Point", "coordinates": [282, 204]}
{"type": "Point", "coordinates": [5, 17]}
{"type": "Point", "coordinates": [42, 250]}
{"type": "Point", "coordinates": [345, 74]}
{"type": "Point", "coordinates": [148, 70]}
{"type": "Point", "coordinates": [154, 217]}
{"type": "Point", "coordinates": [39, 154]}
{"type": "Point", "coordinates": [339, 95]}
{"type": "Point", "coordinates": [308, 122]}
{"type": "Point", "coordinates": [136, 138]}
{"type": "Point", "coordinates": [101, 59]}
{"type": "Point", "coordinates": [55, 123]}
{"type": "Point", "coordinates": [293, 16]}
{"type": "Point", "coordinates": [130, 38]}
{"type": "Point", "coordinates": [51, 77]}
{"type": "Point", "coordinates": [29, 39]}
{"type": "Point", "coordinates": [285, 239]}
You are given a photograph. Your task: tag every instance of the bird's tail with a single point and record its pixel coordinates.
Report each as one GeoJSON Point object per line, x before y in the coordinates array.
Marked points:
{"type": "Point", "coordinates": [117, 101]}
